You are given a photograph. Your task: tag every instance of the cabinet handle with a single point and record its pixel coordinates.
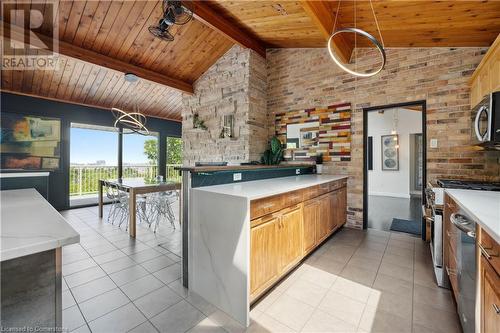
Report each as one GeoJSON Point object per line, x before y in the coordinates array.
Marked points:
{"type": "Point", "coordinates": [485, 252]}
{"type": "Point", "coordinates": [295, 197]}
{"type": "Point", "coordinates": [269, 205]}
{"type": "Point", "coordinates": [497, 309]}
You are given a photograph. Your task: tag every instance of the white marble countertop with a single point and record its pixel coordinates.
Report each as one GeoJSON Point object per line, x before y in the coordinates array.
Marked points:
{"type": "Point", "coordinates": [29, 224]}
{"type": "Point", "coordinates": [24, 174]}
{"type": "Point", "coordinates": [267, 187]}
{"type": "Point", "coordinates": [483, 206]}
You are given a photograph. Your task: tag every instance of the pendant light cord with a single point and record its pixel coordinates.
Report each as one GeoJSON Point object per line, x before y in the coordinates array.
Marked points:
{"type": "Point", "coordinates": [376, 23]}
{"type": "Point", "coordinates": [336, 15]}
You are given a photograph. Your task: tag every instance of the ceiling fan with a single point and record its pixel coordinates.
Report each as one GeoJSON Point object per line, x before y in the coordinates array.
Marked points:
{"type": "Point", "coordinates": [174, 12]}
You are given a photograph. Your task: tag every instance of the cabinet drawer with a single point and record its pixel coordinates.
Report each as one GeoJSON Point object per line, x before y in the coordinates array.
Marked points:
{"type": "Point", "coordinates": [490, 249]}
{"type": "Point", "coordinates": [323, 188]}
{"type": "Point", "coordinates": [311, 192]}
{"type": "Point", "coordinates": [264, 206]}
{"type": "Point", "coordinates": [338, 184]}
{"type": "Point", "coordinates": [293, 198]}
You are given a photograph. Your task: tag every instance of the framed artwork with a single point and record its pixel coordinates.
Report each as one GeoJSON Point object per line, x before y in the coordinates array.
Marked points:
{"type": "Point", "coordinates": [30, 142]}
{"type": "Point", "coordinates": [390, 152]}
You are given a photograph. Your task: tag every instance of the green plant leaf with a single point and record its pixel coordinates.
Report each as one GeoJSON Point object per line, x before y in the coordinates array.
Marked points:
{"type": "Point", "coordinates": [275, 145]}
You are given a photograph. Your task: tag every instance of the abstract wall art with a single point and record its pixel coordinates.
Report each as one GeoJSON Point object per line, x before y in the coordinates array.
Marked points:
{"type": "Point", "coordinates": [29, 142]}
{"type": "Point", "coordinates": [319, 130]}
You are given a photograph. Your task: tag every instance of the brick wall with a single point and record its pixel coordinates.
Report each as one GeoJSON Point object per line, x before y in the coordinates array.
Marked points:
{"type": "Point", "coordinates": [307, 78]}
{"type": "Point", "coordinates": [235, 84]}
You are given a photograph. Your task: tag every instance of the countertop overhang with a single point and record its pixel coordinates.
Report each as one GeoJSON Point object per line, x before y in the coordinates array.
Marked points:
{"type": "Point", "coordinates": [29, 224]}
{"type": "Point", "coordinates": [257, 189]}
{"type": "Point", "coordinates": [483, 206]}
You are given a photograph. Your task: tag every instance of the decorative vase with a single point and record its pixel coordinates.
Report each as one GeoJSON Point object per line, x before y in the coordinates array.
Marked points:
{"type": "Point", "coordinates": [319, 168]}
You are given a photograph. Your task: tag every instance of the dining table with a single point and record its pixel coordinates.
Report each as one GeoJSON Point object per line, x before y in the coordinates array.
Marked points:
{"type": "Point", "coordinates": [134, 187]}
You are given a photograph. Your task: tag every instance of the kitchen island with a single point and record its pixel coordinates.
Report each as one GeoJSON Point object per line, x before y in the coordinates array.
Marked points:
{"type": "Point", "coordinates": [32, 234]}
{"type": "Point", "coordinates": [244, 237]}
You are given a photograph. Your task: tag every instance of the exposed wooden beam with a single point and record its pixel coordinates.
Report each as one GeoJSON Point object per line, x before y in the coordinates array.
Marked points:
{"type": "Point", "coordinates": [321, 14]}
{"type": "Point", "coordinates": [20, 35]}
{"type": "Point", "coordinates": [205, 14]}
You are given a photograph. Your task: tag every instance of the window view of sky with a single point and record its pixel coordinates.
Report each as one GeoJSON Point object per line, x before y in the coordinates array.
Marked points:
{"type": "Point", "coordinates": [93, 146]}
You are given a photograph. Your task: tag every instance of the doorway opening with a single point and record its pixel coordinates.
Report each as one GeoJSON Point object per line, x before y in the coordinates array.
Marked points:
{"type": "Point", "coordinates": [394, 170]}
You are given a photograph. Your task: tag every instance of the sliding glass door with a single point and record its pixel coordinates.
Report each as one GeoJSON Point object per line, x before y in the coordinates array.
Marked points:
{"type": "Point", "coordinates": [93, 156]}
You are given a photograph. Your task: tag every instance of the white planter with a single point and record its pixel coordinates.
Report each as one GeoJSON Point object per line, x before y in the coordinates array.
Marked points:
{"type": "Point", "coordinates": [319, 168]}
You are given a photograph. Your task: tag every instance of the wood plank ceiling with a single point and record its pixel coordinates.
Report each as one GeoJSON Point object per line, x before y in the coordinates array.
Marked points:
{"type": "Point", "coordinates": [118, 31]}
{"type": "Point", "coordinates": [423, 23]}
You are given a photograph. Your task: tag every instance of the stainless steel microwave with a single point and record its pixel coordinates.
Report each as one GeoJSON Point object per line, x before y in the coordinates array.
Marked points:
{"type": "Point", "coordinates": [486, 122]}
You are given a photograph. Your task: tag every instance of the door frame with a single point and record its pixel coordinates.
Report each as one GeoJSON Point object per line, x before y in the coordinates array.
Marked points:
{"type": "Point", "coordinates": [423, 105]}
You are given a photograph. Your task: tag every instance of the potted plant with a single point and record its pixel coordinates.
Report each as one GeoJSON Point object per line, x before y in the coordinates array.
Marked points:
{"type": "Point", "coordinates": [319, 163]}
{"type": "Point", "coordinates": [274, 154]}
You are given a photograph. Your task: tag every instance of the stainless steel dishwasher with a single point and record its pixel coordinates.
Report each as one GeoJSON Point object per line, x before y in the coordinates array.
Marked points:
{"type": "Point", "coordinates": [466, 269]}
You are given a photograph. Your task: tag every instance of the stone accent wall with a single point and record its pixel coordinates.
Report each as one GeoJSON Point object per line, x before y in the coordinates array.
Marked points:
{"type": "Point", "coordinates": [307, 78]}
{"type": "Point", "coordinates": [236, 84]}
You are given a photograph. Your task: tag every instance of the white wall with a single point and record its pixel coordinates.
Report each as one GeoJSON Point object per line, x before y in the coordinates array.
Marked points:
{"type": "Point", "coordinates": [392, 183]}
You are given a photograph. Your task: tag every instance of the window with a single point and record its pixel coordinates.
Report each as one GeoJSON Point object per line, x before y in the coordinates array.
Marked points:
{"type": "Point", "coordinates": [140, 156]}
{"type": "Point", "coordinates": [174, 158]}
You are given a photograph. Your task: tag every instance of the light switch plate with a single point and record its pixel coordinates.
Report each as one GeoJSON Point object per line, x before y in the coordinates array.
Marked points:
{"type": "Point", "coordinates": [236, 176]}
{"type": "Point", "coordinates": [297, 171]}
{"type": "Point", "coordinates": [434, 143]}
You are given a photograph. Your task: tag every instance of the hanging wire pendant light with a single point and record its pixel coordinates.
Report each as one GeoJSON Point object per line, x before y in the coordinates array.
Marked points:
{"type": "Point", "coordinates": [356, 31]}
{"type": "Point", "coordinates": [130, 122]}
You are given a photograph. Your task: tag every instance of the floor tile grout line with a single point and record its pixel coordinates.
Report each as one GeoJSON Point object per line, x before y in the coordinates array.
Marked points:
{"type": "Point", "coordinates": [118, 287]}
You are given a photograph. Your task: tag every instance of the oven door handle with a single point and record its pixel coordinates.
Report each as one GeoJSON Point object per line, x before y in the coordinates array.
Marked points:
{"type": "Point", "coordinates": [461, 223]}
{"type": "Point", "coordinates": [481, 137]}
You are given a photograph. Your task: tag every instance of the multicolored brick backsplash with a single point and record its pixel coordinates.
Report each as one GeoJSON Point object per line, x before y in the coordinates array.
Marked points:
{"type": "Point", "coordinates": [332, 128]}
{"type": "Point", "coordinates": [300, 79]}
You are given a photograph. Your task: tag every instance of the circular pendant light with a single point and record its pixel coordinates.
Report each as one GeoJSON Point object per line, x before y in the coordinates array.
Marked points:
{"type": "Point", "coordinates": [356, 31]}
{"type": "Point", "coordinates": [372, 39]}
{"type": "Point", "coordinates": [130, 122]}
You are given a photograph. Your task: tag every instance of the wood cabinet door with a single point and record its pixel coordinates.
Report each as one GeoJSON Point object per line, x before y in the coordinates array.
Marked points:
{"type": "Point", "coordinates": [341, 206]}
{"type": "Point", "coordinates": [490, 298]}
{"type": "Point", "coordinates": [322, 222]}
{"type": "Point", "coordinates": [334, 206]}
{"type": "Point", "coordinates": [494, 69]}
{"type": "Point", "coordinates": [290, 238]}
{"type": "Point", "coordinates": [264, 258]}
{"type": "Point", "coordinates": [310, 218]}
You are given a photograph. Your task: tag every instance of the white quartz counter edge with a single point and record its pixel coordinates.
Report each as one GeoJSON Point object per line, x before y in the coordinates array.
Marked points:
{"type": "Point", "coordinates": [257, 189]}
{"type": "Point", "coordinates": [29, 224]}
{"type": "Point", "coordinates": [483, 206]}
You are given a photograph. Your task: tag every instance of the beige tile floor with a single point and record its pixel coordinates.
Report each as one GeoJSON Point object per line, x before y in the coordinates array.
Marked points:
{"type": "Point", "coordinates": [358, 281]}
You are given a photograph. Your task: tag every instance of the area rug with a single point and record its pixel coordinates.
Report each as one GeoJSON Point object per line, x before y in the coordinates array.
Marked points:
{"type": "Point", "coordinates": [408, 226]}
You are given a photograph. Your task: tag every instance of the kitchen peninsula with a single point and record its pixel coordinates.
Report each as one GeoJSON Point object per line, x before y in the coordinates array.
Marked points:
{"type": "Point", "coordinates": [245, 236]}
{"type": "Point", "coordinates": [32, 234]}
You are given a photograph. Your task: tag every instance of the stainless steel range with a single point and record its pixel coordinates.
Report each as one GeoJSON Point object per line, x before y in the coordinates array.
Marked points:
{"type": "Point", "coordinates": [433, 212]}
